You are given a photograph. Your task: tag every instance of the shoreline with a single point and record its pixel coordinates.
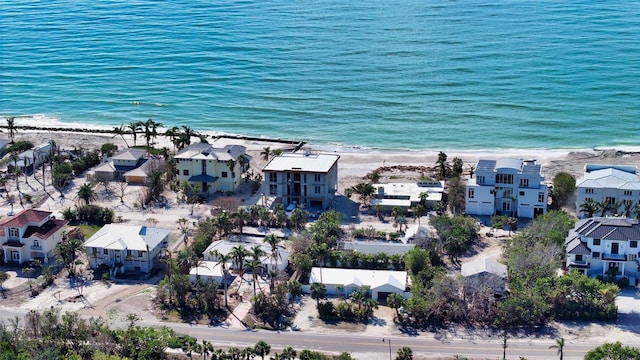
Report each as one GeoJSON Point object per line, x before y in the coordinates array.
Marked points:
{"type": "Point", "coordinates": [35, 124]}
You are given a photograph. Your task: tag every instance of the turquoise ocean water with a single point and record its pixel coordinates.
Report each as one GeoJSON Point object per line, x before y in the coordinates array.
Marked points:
{"type": "Point", "coordinates": [414, 74]}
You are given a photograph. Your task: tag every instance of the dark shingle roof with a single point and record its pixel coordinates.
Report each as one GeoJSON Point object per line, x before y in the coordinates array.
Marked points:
{"type": "Point", "coordinates": [610, 229]}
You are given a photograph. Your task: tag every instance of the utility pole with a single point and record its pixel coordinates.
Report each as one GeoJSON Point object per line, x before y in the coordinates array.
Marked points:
{"type": "Point", "coordinates": [389, 341]}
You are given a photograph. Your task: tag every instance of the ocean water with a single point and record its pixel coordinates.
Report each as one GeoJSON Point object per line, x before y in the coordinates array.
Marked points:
{"type": "Point", "coordinates": [409, 74]}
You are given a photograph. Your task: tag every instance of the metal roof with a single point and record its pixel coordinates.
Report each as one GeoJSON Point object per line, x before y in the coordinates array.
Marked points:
{"type": "Point", "coordinates": [314, 163]}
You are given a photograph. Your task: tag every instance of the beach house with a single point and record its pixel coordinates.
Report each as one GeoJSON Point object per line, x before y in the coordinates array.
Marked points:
{"type": "Point", "coordinates": [130, 165]}
{"type": "Point", "coordinates": [605, 246]}
{"type": "Point", "coordinates": [210, 169]}
{"type": "Point", "coordinates": [612, 189]}
{"type": "Point", "coordinates": [511, 187]}
{"type": "Point", "coordinates": [31, 234]}
{"type": "Point", "coordinates": [306, 179]}
{"type": "Point", "coordinates": [127, 247]}
{"type": "Point", "coordinates": [380, 283]}
{"type": "Point", "coordinates": [484, 272]}
{"type": "Point", "coordinates": [29, 160]}
{"type": "Point", "coordinates": [407, 195]}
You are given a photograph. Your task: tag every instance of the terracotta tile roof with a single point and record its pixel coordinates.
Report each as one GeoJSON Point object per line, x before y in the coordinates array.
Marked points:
{"type": "Point", "coordinates": [46, 230]}
{"type": "Point", "coordinates": [25, 217]}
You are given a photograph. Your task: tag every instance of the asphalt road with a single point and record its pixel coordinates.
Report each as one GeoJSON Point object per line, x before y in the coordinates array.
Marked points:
{"type": "Point", "coordinates": [367, 347]}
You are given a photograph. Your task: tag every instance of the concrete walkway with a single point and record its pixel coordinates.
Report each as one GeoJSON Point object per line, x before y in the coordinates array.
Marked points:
{"type": "Point", "coordinates": [235, 319]}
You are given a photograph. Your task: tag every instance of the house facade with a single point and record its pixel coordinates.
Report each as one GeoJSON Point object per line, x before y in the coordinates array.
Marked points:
{"type": "Point", "coordinates": [510, 187]}
{"type": "Point", "coordinates": [614, 186]}
{"type": "Point", "coordinates": [129, 165]}
{"type": "Point", "coordinates": [340, 281]}
{"type": "Point", "coordinates": [302, 179]}
{"type": "Point", "coordinates": [605, 245]}
{"type": "Point", "coordinates": [212, 169]}
{"type": "Point", "coordinates": [29, 160]}
{"type": "Point", "coordinates": [127, 247]}
{"type": "Point", "coordinates": [31, 234]}
{"type": "Point", "coordinates": [224, 247]}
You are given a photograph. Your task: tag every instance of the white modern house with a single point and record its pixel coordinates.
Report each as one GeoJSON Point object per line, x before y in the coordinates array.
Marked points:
{"type": "Point", "coordinates": [224, 247]}
{"type": "Point", "coordinates": [599, 245]}
{"type": "Point", "coordinates": [407, 195]}
{"type": "Point", "coordinates": [30, 234]}
{"type": "Point", "coordinates": [511, 187]}
{"type": "Point", "coordinates": [212, 169]}
{"type": "Point", "coordinates": [127, 247]}
{"type": "Point", "coordinates": [304, 179]}
{"type": "Point", "coordinates": [207, 270]}
{"type": "Point", "coordinates": [381, 283]}
{"type": "Point", "coordinates": [484, 272]}
{"type": "Point", "coordinates": [616, 186]}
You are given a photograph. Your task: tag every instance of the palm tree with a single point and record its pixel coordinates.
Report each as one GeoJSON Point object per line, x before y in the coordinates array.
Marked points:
{"type": "Point", "coordinates": [265, 153]}
{"type": "Point", "coordinates": [222, 262]}
{"type": "Point", "coordinates": [173, 134]}
{"type": "Point", "coordinates": [560, 346]}
{"type": "Point", "coordinates": [120, 131]}
{"type": "Point", "coordinates": [318, 291]}
{"type": "Point", "coordinates": [604, 206]}
{"type": "Point", "coordinates": [442, 164]}
{"type": "Point", "coordinates": [238, 254]}
{"type": "Point", "coordinates": [395, 301]}
{"type": "Point", "coordinates": [86, 193]}
{"type": "Point", "coordinates": [135, 126]}
{"type": "Point", "coordinates": [240, 217]}
{"type": "Point", "coordinates": [254, 266]}
{"type": "Point", "coordinates": [273, 241]}
{"type": "Point", "coordinates": [288, 353]}
{"type": "Point", "coordinates": [261, 349]}
{"type": "Point", "coordinates": [589, 207]}
{"type": "Point", "coordinates": [11, 126]}
{"type": "Point", "coordinates": [418, 211]}
{"type": "Point", "coordinates": [628, 208]}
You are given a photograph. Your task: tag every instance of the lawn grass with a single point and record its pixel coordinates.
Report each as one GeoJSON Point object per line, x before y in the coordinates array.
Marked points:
{"type": "Point", "coordinates": [88, 230]}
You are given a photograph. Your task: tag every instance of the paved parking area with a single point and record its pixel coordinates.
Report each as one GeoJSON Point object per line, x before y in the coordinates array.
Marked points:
{"type": "Point", "coordinates": [629, 309]}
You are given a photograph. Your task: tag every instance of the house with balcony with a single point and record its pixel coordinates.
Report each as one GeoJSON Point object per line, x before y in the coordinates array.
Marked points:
{"type": "Point", "coordinates": [614, 188]}
{"type": "Point", "coordinates": [302, 179]}
{"type": "Point", "coordinates": [605, 246]}
{"type": "Point", "coordinates": [127, 247]}
{"type": "Point", "coordinates": [511, 187]}
{"type": "Point", "coordinates": [29, 235]}
{"type": "Point", "coordinates": [210, 169]}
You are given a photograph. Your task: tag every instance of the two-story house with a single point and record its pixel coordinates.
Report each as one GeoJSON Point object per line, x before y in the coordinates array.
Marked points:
{"type": "Point", "coordinates": [29, 160]}
{"type": "Point", "coordinates": [31, 234]}
{"type": "Point", "coordinates": [601, 245]}
{"type": "Point", "coordinates": [302, 179]}
{"type": "Point", "coordinates": [615, 189]}
{"type": "Point", "coordinates": [212, 169]}
{"type": "Point", "coordinates": [511, 187]}
{"type": "Point", "coordinates": [123, 163]}
{"type": "Point", "coordinates": [127, 247]}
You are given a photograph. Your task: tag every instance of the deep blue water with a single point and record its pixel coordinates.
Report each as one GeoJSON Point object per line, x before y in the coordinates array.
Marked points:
{"type": "Point", "coordinates": [394, 74]}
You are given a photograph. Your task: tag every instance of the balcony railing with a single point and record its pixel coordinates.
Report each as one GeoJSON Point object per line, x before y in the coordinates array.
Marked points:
{"type": "Point", "coordinates": [579, 263]}
{"type": "Point", "coordinates": [36, 247]}
{"type": "Point", "coordinates": [617, 257]}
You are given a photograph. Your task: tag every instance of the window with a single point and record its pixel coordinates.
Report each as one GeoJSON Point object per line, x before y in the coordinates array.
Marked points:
{"type": "Point", "coordinates": [105, 252]}
{"type": "Point", "coordinates": [13, 232]}
{"type": "Point", "coordinates": [504, 179]}
{"type": "Point", "coordinates": [521, 193]}
{"type": "Point", "coordinates": [524, 183]}
{"type": "Point", "coordinates": [471, 194]}
{"type": "Point", "coordinates": [141, 253]}
{"type": "Point", "coordinates": [273, 189]}
{"type": "Point", "coordinates": [36, 243]}
{"type": "Point", "coordinates": [596, 242]}
{"type": "Point", "coordinates": [588, 190]}
{"type": "Point", "coordinates": [273, 177]}
{"type": "Point", "coordinates": [128, 252]}
{"type": "Point", "coordinates": [318, 189]}
{"type": "Point", "coordinates": [595, 255]}
{"type": "Point", "coordinates": [632, 257]}
{"type": "Point", "coordinates": [633, 243]}
{"type": "Point", "coordinates": [185, 172]}
{"type": "Point", "coordinates": [628, 192]}
{"type": "Point", "coordinates": [610, 200]}
{"type": "Point", "coordinates": [541, 197]}
{"type": "Point", "coordinates": [224, 174]}
{"type": "Point", "coordinates": [578, 257]}
{"type": "Point", "coordinates": [628, 203]}
{"type": "Point", "coordinates": [588, 199]}
{"type": "Point", "coordinates": [480, 180]}
{"type": "Point", "coordinates": [203, 167]}
{"type": "Point", "coordinates": [507, 192]}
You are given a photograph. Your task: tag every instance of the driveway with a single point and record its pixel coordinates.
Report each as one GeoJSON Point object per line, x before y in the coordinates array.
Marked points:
{"type": "Point", "coordinates": [629, 309]}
